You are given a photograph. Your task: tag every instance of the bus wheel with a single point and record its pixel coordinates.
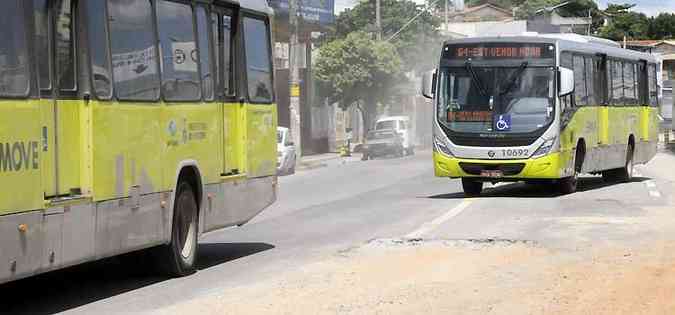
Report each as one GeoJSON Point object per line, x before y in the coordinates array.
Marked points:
{"type": "Point", "coordinates": [568, 185]}
{"type": "Point", "coordinates": [182, 251]}
{"type": "Point", "coordinates": [625, 174]}
{"type": "Point", "coordinates": [472, 187]}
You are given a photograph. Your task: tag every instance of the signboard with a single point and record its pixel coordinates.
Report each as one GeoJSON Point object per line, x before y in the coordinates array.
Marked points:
{"type": "Point", "coordinates": [494, 51]}
{"type": "Point", "coordinates": [470, 116]}
{"type": "Point", "coordinates": [312, 11]}
{"type": "Point", "coordinates": [184, 56]}
{"type": "Point", "coordinates": [134, 64]}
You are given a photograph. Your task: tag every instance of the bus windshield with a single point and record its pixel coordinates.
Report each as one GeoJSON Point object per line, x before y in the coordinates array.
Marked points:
{"type": "Point", "coordinates": [496, 99]}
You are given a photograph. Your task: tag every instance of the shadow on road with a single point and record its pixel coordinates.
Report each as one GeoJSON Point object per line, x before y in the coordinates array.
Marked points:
{"type": "Point", "coordinates": [72, 287]}
{"type": "Point", "coordinates": [523, 190]}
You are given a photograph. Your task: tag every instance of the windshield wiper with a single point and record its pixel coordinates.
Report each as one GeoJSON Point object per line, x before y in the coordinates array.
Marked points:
{"type": "Point", "coordinates": [511, 81]}
{"type": "Point", "coordinates": [475, 78]}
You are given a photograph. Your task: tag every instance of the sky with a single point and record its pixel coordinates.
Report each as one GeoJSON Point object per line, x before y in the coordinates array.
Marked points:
{"type": "Point", "coordinates": [648, 7]}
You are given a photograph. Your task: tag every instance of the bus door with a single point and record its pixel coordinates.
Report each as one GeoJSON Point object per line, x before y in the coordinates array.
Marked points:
{"type": "Point", "coordinates": [20, 138]}
{"type": "Point", "coordinates": [234, 111]}
{"type": "Point", "coordinates": [55, 49]}
{"type": "Point", "coordinates": [601, 97]}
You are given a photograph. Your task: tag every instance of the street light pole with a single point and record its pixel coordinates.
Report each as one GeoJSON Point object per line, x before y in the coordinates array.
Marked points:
{"type": "Point", "coordinates": [294, 76]}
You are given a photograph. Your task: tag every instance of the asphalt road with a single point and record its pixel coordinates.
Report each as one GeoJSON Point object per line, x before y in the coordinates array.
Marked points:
{"type": "Point", "coordinates": [323, 211]}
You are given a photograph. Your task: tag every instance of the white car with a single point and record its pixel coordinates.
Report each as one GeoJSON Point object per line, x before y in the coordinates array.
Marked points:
{"type": "Point", "coordinates": [401, 124]}
{"type": "Point", "coordinates": [286, 156]}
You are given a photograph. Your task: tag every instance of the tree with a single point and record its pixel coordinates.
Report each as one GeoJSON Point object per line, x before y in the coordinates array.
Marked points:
{"type": "Point", "coordinates": [419, 44]}
{"type": "Point", "coordinates": [662, 26]}
{"type": "Point", "coordinates": [358, 70]}
{"type": "Point", "coordinates": [623, 22]}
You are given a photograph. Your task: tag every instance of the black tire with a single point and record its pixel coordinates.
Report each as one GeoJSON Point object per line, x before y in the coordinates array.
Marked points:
{"type": "Point", "coordinates": [625, 174]}
{"type": "Point", "coordinates": [568, 185]}
{"type": "Point", "coordinates": [364, 157]}
{"type": "Point", "coordinates": [472, 187]}
{"type": "Point", "coordinates": [180, 255]}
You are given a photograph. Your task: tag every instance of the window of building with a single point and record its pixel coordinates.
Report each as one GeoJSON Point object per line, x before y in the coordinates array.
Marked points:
{"type": "Point", "coordinates": [134, 56]}
{"type": "Point", "coordinates": [629, 88]}
{"type": "Point", "coordinates": [180, 72]}
{"type": "Point", "coordinates": [65, 51]}
{"type": "Point", "coordinates": [13, 51]}
{"type": "Point", "coordinates": [580, 95]}
{"type": "Point", "coordinates": [205, 53]}
{"type": "Point", "coordinates": [258, 61]}
{"type": "Point", "coordinates": [98, 49]}
{"type": "Point", "coordinates": [42, 28]}
{"type": "Point", "coordinates": [617, 83]}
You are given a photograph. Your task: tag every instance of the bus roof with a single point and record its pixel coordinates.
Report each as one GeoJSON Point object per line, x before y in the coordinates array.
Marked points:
{"type": "Point", "coordinates": [565, 42]}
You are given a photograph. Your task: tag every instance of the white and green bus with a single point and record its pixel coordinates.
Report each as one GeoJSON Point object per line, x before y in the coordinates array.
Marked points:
{"type": "Point", "coordinates": [541, 108]}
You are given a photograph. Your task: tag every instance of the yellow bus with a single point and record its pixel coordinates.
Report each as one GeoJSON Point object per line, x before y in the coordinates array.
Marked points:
{"type": "Point", "coordinates": [129, 125]}
{"type": "Point", "coordinates": [541, 109]}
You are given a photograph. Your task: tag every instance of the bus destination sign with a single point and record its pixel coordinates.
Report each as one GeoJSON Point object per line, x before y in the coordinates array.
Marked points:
{"type": "Point", "coordinates": [499, 51]}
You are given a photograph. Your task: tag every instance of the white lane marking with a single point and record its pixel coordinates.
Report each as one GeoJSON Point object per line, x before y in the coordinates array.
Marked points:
{"type": "Point", "coordinates": [655, 193]}
{"type": "Point", "coordinates": [429, 226]}
{"type": "Point", "coordinates": [653, 190]}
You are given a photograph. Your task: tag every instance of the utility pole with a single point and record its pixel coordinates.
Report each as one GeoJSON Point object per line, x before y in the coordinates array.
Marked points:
{"type": "Point", "coordinates": [378, 20]}
{"type": "Point", "coordinates": [294, 76]}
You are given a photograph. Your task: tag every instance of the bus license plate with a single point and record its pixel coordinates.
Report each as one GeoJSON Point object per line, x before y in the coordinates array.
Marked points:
{"type": "Point", "coordinates": [491, 173]}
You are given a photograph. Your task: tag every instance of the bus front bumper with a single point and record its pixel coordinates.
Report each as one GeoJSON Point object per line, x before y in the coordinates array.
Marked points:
{"type": "Point", "coordinates": [546, 167]}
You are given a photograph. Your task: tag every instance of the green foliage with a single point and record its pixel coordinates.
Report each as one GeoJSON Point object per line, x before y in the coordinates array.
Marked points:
{"type": "Point", "coordinates": [635, 25]}
{"type": "Point", "coordinates": [418, 44]}
{"type": "Point", "coordinates": [663, 26]}
{"type": "Point", "coordinates": [357, 70]}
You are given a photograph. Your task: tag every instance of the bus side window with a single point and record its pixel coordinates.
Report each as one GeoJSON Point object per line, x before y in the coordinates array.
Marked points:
{"type": "Point", "coordinates": [580, 95]}
{"type": "Point", "coordinates": [180, 73]}
{"type": "Point", "coordinates": [653, 92]}
{"type": "Point", "coordinates": [258, 60]}
{"type": "Point", "coordinates": [590, 81]}
{"type": "Point", "coordinates": [205, 52]}
{"type": "Point", "coordinates": [134, 54]}
{"type": "Point", "coordinates": [617, 83]}
{"type": "Point", "coordinates": [42, 50]}
{"type": "Point", "coordinates": [98, 49]}
{"type": "Point", "coordinates": [65, 52]}
{"type": "Point", "coordinates": [629, 83]}
{"type": "Point", "coordinates": [228, 54]}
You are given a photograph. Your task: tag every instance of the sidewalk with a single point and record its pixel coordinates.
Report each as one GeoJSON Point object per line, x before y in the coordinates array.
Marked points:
{"type": "Point", "coordinates": [321, 160]}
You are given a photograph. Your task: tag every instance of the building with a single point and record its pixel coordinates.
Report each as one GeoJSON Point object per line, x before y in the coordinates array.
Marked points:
{"type": "Point", "coordinates": [480, 13]}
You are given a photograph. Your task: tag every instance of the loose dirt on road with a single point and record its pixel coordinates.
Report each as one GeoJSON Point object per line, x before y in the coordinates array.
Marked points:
{"type": "Point", "coordinates": [460, 277]}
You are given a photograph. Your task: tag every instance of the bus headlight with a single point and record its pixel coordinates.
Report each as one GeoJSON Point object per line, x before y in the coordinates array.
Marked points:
{"type": "Point", "coordinates": [442, 147]}
{"type": "Point", "coordinates": [545, 148]}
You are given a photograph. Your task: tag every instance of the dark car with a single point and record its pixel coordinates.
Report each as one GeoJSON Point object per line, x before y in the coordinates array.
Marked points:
{"type": "Point", "coordinates": [383, 142]}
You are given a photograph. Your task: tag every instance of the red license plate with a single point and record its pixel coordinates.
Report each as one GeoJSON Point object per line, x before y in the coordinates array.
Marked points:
{"type": "Point", "coordinates": [491, 173]}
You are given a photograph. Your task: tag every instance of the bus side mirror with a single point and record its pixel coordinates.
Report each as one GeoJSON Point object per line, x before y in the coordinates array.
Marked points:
{"type": "Point", "coordinates": [565, 81]}
{"type": "Point", "coordinates": [429, 84]}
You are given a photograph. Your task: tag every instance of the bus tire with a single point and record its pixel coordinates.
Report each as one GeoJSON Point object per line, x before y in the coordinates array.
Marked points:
{"type": "Point", "coordinates": [181, 252]}
{"type": "Point", "coordinates": [471, 187]}
{"type": "Point", "coordinates": [568, 185]}
{"type": "Point", "coordinates": [625, 174]}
